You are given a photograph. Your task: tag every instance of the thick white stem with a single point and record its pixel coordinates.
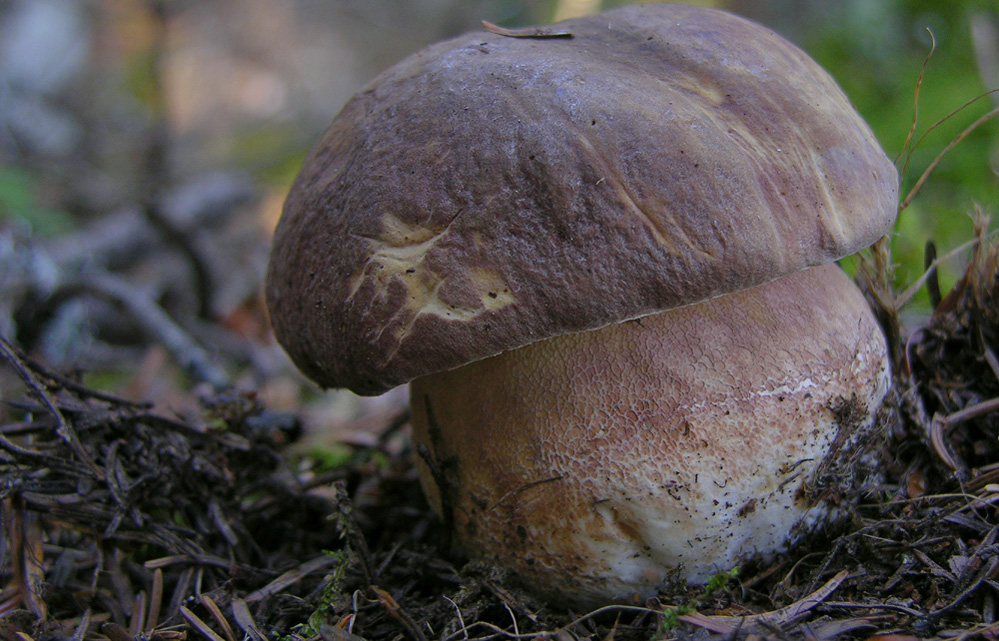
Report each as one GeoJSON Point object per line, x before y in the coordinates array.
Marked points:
{"type": "Point", "coordinates": [596, 465]}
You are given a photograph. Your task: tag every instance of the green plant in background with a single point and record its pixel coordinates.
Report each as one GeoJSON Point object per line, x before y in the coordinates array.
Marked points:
{"type": "Point", "coordinates": [322, 616]}
{"type": "Point", "coordinates": [20, 205]}
{"type": "Point", "coordinates": [671, 617]}
{"type": "Point", "coordinates": [875, 50]}
{"type": "Point", "coordinates": [330, 457]}
{"type": "Point", "coordinates": [719, 581]}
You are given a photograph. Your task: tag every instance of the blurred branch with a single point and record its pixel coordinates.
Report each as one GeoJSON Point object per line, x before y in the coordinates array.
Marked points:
{"type": "Point", "coordinates": [121, 239]}
{"type": "Point", "coordinates": [158, 171]}
{"type": "Point", "coordinates": [156, 322]}
{"type": "Point", "coordinates": [36, 280]}
{"type": "Point", "coordinates": [985, 40]}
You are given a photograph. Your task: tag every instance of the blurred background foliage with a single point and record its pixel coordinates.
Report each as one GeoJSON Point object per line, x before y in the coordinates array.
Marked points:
{"type": "Point", "coordinates": [87, 86]}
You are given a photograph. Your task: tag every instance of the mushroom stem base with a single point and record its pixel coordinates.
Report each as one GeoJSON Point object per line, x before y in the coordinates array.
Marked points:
{"type": "Point", "coordinates": [597, 466]}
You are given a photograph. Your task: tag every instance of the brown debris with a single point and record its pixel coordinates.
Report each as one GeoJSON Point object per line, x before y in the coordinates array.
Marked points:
{"type": "Point", "coordinates": [109, 505]}
{"type": "Point", "coordinates": [123, 523]}
{"type": "Point", "coordinates": [954, 358]}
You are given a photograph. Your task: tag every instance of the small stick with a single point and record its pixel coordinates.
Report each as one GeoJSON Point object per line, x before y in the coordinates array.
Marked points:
{"type": "Point", "coordinates": [445, 491]}
{"type": "Point", "coordinates": [156, 322]}
{"type": "Point", "coordinates": [64, 430]}
{"type": "Point", "coordinates": [940, 444]}
{"type": "Point", "coordinates": [399, 614]}
{"type": "Point", "coordinates": [915, 107]}
{"type": "Point", "coordinates": [244, 619]}
{"type": "Point", "coordinates": [50, 461]}
{"type": "Point", "coordinates": [155, 600]}
{"type": "Point", "coordinates": [722, 624]}
{"type": "Point", "coordinates": [932, 280]}
{"type": "Point", "coordinates": [180, 590]}
{"type": "Point", "coordinates": [137, 620]}
{"type": "Point", "coordinates": [936, 161]}
{"type": "Point", "coordinates": [531, 32]}
{"type": "Point", "coordinates": [74, 386]}
{"type": "Point", "coordinates": [990, 567]}
{"type": "Point", "coordinates": [513, 618]}
{"type": "Point", "coordinates": [972, 411]}
{"type": "Point", "coordinates": [291, 576]}
{"type": "Point", "coordinates": [220, 619]}
{"type": "Point", "coordinates": [199, 625]}
{"type": "Point", "coordinates": [902, 299]}
{"type": "Point", "coordinates": [82, 627]}
{"type": "Point", "coordinates": [461, 619]}
{"type": "Point", "coordinates": [509, 601]}
{"type": "Point", "coordinates": [990, 358]}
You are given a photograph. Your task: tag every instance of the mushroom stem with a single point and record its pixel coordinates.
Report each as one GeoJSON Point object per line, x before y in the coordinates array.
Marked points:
{"type": "Point", "coordinates": [596, 465]}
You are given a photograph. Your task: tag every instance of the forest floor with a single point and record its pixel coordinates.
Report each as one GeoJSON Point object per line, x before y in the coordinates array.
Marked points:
{"type": "Point", "coordinates": [124, 520]}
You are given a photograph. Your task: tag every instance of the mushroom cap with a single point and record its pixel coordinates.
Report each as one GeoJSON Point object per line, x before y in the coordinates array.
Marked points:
{"type": "Point", "coordinates": [490, 191]}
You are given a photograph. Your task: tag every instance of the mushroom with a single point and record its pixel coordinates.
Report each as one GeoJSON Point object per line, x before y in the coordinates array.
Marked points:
{"type": "Point", "coordinates": [603, 255]}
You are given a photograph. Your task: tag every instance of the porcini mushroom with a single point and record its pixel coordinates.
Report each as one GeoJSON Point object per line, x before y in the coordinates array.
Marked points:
{"type": "Point", "coordinates": [605, 257]}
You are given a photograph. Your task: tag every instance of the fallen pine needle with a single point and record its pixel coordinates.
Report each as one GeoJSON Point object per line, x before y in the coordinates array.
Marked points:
{"type": "Point", "coordinates": [292, 576]}
{"type": "Point", "coordinates": [199, 625]}
{"type": "Point", "coordinates": [729, 624]}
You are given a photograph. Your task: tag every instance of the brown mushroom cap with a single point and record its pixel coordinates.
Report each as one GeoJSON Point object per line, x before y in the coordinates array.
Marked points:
{"type": "Point", "coordinates": [490, 191]}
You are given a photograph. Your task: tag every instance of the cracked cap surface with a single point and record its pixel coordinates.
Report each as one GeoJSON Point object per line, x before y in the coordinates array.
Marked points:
{"type": "Point", "coordinates": [489, 191]}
